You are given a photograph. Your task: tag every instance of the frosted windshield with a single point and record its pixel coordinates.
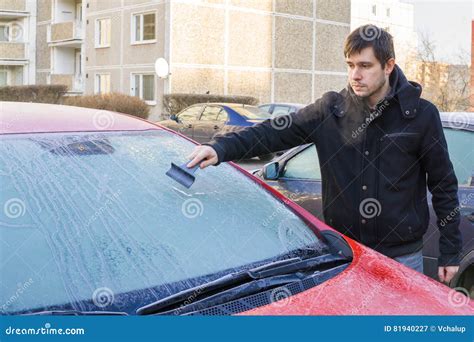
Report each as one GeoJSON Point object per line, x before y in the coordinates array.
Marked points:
{"type": "Point", "coordinates": [90, 211]}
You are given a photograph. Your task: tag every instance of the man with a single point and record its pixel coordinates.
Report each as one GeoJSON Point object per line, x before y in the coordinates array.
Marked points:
{"type": "Point", "coordinates": [379, 146]}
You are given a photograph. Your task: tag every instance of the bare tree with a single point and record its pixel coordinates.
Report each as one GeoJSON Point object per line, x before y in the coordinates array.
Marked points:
{"type": "Point", "coordinates": [445, 85]}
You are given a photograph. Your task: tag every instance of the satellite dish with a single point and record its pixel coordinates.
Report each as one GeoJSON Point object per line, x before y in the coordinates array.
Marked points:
{"type": "Point", "coordinates": [162, 68]}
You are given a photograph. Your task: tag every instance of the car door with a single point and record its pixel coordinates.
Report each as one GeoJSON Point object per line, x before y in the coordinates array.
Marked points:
{"type": "Point", "coordinates": [207, 125]}
{"type": "Point", "coordinates": [300, 179]}
{"type": "Point", "coordinates": [461, 152]}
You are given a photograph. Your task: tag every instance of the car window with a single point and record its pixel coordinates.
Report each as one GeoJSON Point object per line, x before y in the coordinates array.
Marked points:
{"type": "Point", "coordinates": [265, 108]}
{"type": "Point", "coordinates": [305, 165]}
{"type": "Point", "coordinates": [281, 110]}
{"type": "Point", "coordinates": [190, 114]}
{"type": "Point", "coordinates": [222, 117]}
{"type": "Point", "coordinates": [210, 113]}
{"type": "Point", "coordinates": [252, 113]}
{"type": "Point", "coordinates": [95, 212]}
{"type": "Point", "coordinates": [461, 152]}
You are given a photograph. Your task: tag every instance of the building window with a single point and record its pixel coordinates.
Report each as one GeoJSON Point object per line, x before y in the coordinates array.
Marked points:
{"type": "Point", "coordinates": [102, 83]}
{"type": "Point", "coordinates": [374, 9]}
{"type": "Point", "coordinates": [388, 12]}
{"type": "Point", "coordinates": [102, 33]}
{"type": "Point", "coordinates": [3, 78]}
{"type": "Point", "coordinates": [143, 28]}
{"type": "Point", "coordinates": [4, 32]}
{"type": "Point", "coordinates": [143, 86]}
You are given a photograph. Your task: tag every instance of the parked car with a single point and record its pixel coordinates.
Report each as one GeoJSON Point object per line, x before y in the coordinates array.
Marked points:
{"type": "Point", "coordinates": [91, 225]}
{"type": "Point", "coordinates": [277, 109]}
{"type": "Point", "coordinates": [201, 122]}
{"type": "Point", "coordinates": [280, 109]}
{"type": "Point", "coordinates": [296, 174]}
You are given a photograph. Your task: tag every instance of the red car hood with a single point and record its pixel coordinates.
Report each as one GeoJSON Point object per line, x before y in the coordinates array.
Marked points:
{"type": "Point", "coordinates": [373, 285]}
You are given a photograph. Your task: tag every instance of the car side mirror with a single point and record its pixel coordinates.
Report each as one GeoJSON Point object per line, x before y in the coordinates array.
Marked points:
{"type": "Point", "coordinates": [271, 171]}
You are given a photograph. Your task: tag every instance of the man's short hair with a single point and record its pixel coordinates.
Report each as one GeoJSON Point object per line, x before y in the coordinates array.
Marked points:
{"type": "Point", "coordinates": [370, 36]}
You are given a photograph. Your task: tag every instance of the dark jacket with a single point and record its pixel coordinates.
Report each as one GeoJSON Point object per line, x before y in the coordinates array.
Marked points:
{"type": "Point", "coordinates": [375, 165]}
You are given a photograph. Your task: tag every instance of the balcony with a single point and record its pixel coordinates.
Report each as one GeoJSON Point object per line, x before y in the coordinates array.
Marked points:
{"type": "Point", "coordinates": [12, 50]}
{"type": "Point", "coordinates": [74, 83]}
{"type": "Point", "coordinates": [69, 33]}
{"type": "Point", "coordinates": [13, 5]}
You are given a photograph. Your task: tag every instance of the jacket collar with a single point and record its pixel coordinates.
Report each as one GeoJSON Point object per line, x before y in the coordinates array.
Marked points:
{"type": "Point", "coordinates": [406, 93]}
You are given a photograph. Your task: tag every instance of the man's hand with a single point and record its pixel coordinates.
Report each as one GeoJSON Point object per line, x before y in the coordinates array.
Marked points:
{"type": "Point", "coordinates": [446, 273]}
{"type": "Point", "coordinates": [203, 155]}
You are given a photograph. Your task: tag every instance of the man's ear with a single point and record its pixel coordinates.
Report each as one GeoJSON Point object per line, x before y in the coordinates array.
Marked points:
{"type": "Point", "coordinates": [389, 65]}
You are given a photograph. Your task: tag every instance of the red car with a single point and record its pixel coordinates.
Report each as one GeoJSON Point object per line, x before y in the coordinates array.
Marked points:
{"type": "Point", "coordinates": [91, 225]}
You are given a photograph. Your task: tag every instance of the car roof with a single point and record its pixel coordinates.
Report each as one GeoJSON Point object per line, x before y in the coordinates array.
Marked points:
{"type": "Point", "coordinates": [458, 120]}
{"type": "Point", "coordinates": [22, 117]}
{"type": "Point", "coordinates": [284, 104]}
{"type": "Point", "coordinates": [228, 104]}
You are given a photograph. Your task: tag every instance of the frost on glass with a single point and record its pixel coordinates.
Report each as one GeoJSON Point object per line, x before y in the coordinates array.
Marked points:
{"type": "Point", "coordinates": [91, 222]}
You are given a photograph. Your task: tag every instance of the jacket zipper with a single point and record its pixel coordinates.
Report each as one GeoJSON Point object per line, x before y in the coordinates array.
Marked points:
{"type": "Point", "coordinates": [399, 134]}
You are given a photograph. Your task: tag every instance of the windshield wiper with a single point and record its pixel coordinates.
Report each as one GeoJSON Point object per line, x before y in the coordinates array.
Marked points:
{"type": "Point", "coordinates": [243, 283]}
{"type": "Point", "coordinates": [75, 313]}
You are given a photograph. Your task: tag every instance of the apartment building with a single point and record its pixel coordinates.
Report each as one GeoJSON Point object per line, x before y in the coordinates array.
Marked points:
{"type": "Point", "coordinates": [17, 42]}
{"type": "Point", "coordinates": [275, 50]}
{"type": "Point", "coordinates": [397, 17]}
{"type": "Point", "coordinates": [60, 43]}
{"type": "Point", "coordinates": [271, 49]}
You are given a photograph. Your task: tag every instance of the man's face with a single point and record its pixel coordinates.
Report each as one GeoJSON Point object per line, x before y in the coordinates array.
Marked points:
{"type": "Point", "coordinates": [366, 75]}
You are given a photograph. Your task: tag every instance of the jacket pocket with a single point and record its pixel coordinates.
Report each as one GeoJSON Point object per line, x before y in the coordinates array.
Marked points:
{"type": "Point", "coordinates": [393, 232]}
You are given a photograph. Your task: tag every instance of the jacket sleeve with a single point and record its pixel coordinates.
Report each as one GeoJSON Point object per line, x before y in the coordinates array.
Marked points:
{"type": "Point", "coordinates": [272, 135]}
{"type": "Point", "coordinates": [443, 185]}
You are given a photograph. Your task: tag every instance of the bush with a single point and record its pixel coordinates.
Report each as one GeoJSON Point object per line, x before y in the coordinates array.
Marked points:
{"type": "Point", "coordinates": [174, 103]}
{"type": "Point", "coordinates": [33, 93]}
{"type": "Point", "coordinates": [115, 102]}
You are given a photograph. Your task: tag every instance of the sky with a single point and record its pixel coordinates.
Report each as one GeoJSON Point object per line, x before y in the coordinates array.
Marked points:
{"type": "Point", "coordinates": [448, 22]}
